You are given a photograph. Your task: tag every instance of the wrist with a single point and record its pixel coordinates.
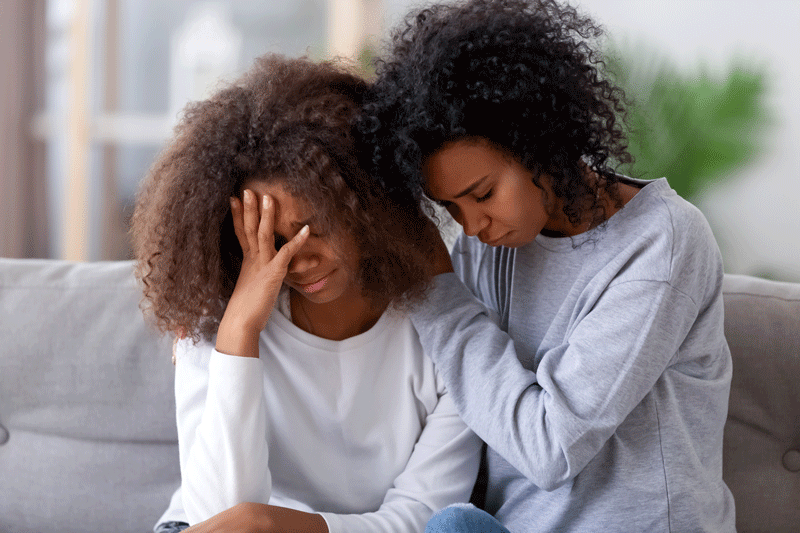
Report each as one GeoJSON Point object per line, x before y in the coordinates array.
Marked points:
{"type": "Point", "coordinates": [242, 323]}
{"type": "Point", "coordinates": [237, 336]}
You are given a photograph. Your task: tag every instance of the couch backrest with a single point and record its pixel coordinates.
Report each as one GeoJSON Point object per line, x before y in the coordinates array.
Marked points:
{"type": "Point", "coordinates": [761, 457]}
{"type": "Point", "coordinates": [87, 409]}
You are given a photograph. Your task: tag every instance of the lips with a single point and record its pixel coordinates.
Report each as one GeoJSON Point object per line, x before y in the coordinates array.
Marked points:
{"type": "Point", "coordinates": [313, 286]}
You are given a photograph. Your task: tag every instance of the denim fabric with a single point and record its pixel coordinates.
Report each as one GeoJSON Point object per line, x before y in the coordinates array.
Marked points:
{"type": "Point", "coordinates": [171, 527]}
{"type": "Point", "coordinates": [463, 518]}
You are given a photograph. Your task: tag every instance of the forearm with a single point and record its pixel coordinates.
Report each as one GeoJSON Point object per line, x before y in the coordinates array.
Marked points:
{"type": "Point", "coordinates": [222, 434]}
{"type": "Point", "coordinates": [494, 393]}
{"type": "Point", "coordinates": [261, 518]}
{"type": "Point", "coordinates": [551, 423]}
{"type": "Point", "coordinates": [237, 335]}
{"type": "Point", "coordinates": [284, 520]}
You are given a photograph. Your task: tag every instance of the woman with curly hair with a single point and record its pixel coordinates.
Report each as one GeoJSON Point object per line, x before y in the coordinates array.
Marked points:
{"type": "Point", "coordinates": [304, 399]}
{"type": "Point", "coordinates": [597, 371]}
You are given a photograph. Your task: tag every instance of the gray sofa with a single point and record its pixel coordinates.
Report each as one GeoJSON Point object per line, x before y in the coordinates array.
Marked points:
{"type": "Point", "coordinates": [87, 423]}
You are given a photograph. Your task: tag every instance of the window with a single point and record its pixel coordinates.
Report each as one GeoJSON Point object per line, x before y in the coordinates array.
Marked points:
{"type": "Point", "coordinates": [116, 74]}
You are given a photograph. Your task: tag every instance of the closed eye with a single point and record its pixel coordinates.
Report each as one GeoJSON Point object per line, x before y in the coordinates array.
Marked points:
{"type": "Point", "coordinates": [485, 197]}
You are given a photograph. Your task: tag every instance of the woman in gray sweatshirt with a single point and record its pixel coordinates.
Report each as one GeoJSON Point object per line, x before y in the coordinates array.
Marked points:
{"type": "Point", "coordinates": [594, 363]}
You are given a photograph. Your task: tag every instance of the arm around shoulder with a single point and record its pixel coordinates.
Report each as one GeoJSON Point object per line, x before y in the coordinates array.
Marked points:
{"type": "Point", "coordinates": [549, 424]}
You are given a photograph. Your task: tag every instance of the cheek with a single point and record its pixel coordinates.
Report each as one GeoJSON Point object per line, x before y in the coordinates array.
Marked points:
{"type": "Point", "coordinates": [347, 275]}
{"type": "Point", "coordinates": [352, 263]}
{"type": "Point", "coordinates": [345, 259]}
{"type": "Point", "coordinates": [538, 202]}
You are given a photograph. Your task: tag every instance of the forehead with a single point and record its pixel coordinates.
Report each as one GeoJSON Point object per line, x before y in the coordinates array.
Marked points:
{"type": "Point", "coordinates": [289, 207]}
{"type": "Point", "coordinates": [458, 164]}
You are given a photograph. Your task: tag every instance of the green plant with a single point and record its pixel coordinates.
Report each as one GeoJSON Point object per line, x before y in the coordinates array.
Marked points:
{"type": "Point", "coordinates": [366, 59]}
{"type": "Point", "coordinates": [690, 126]}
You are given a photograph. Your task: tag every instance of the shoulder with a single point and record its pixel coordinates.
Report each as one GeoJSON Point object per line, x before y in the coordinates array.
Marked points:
{"type": "Point", "coordinates": [666, 207]}
{"type": "Point", "coordinates": [674, 239]}
{"type": "Point", "coordinates": [691, 238]}
{"type": "Point", "coordinates": [403, 361]}
{"type": "Point", "coordinates": [196, 353]}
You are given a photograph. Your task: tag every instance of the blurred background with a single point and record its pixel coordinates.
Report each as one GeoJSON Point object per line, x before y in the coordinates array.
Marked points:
{"type": "Point", "coordinates": [92, 89]}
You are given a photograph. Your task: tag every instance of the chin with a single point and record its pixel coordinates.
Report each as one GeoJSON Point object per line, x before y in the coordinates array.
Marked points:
{"type": "Point", "coordinates": [323, 296]}
{"type": "Point", "coordinates": [516, 243]}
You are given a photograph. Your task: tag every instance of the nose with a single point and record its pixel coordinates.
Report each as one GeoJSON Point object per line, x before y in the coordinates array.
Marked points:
{"type": "Point", "coordinates": [473, 221]}
{"type": "Point", "coordinates": [303, 261]}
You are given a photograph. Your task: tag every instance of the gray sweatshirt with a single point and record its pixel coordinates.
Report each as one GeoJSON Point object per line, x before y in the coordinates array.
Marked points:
{"type": "Point", "coordinates": [603, 393]}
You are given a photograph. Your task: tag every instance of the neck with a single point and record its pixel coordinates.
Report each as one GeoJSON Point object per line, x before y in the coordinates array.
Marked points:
{"type": "Point", "coordinates": [560, 226]}
{"type": "Point", "coordinates": [337, 320]}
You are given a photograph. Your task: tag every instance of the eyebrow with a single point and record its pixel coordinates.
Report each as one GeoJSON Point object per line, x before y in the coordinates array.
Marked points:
{"type": "Point", "coordinates": [459, 195]}
{"type": "Point", "coordinates": [471, 187]}
{"type": "Point", "coordinates": [306, 222]}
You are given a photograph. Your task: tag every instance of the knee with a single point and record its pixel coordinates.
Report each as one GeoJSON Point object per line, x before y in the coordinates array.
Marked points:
{"type": "Point", "coordinates": [456, 518]}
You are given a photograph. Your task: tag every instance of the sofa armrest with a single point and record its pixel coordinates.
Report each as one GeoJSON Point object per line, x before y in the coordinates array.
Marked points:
{"type": "Point", "coordinates": [761, 459]}
{"type": "Point", "coordinates": [86, 401]}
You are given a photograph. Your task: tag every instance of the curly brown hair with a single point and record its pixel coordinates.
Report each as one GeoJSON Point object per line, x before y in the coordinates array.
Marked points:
{"type": "Point", "coordinates": [288, 120]}
{"type": "Point", "coordinates": [522, 74]}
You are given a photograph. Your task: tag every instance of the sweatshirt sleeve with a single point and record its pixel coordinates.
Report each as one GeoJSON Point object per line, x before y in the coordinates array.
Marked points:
{"type": "Point", "coordinates": [222, 430]}
{"type": "Point", "coordinates": [551, 425]}
{"type": "Point", "coordinates": [441, 470]}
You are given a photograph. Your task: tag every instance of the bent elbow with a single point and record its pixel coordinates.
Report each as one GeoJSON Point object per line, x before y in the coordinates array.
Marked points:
{"type": "Point", "coordinates": [551, 479]}
{"type": "Point", "coordinates": [551, 483]}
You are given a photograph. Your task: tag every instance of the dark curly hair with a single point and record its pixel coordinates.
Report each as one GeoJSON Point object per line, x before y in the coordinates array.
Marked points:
{"type": "Point", "coordinates": [520, 73]}
{"type": "Point", "coordinates": [289, 120]}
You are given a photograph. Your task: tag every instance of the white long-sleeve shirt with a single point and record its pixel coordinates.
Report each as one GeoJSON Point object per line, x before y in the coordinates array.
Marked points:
{"type": "Point", "coordinates": [361, 431]}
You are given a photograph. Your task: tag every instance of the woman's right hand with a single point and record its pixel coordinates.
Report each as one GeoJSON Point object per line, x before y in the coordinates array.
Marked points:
{"type": "Point", "coordinates": [261, 276]}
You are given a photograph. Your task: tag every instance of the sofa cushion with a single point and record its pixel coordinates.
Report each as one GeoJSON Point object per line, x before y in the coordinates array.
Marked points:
{"type": "Point", "coordinates": [87, 408]}
{"type": "Point", "coordinates": [762, 434]}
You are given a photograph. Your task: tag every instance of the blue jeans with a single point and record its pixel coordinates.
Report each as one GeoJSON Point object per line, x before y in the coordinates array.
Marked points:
{"type": "Point", "coordinates": [463, 518]}
{"type": "Point", "coordinates": [171, 527]}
